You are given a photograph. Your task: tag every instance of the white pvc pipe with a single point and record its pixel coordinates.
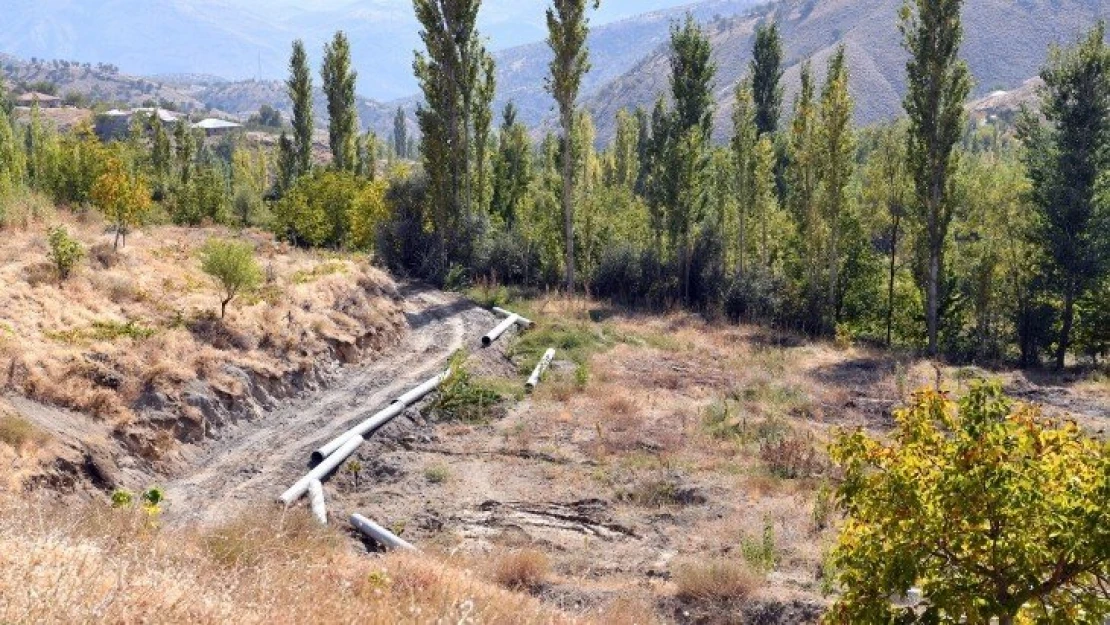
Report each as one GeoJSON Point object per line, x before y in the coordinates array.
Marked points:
{"type": "Point", "coordinates": [527, 323]}
{"type": "Point", "coordinates": [537, 373]}
{"type": "Point", "coordinates": [496, 333]}
{"type": "Point", "coordinates": [419, 392]}
{"type": "Point", "coordinates": [321, 470]}
{"type": "Point", "coordinates": [368, 426]}
{"type": "Point", "coordinates": [316, 498]}
{"type": "Point", "coordinates": [384, 537]}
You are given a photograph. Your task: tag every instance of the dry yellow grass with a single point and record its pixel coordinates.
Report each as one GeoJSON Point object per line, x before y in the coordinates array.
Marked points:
{"type": "Point", "coordinates": [520, 569]}
{"type": "Point", "coordinates": [715, 579]}
{"type": "Point", "coordinates": [140, 322]}
{"type": "Point", "coordinates": [95, 564]}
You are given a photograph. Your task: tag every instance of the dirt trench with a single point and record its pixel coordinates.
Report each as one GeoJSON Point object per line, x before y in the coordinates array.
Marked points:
{"type": "Point", "coordinates": [252, 462]}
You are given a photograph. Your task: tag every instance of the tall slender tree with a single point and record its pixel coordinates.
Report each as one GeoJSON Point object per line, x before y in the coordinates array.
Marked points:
{"type": "Point", "coordinates": [1065, 157]}
{"type": "Point", "coordinates": [938, 83]}
{"type": "Point", "coordinates": [512, 168]}
{"type": "Point", "coordinates": [400, 134]}
{"type": "Point", "coordinates": [449, 71]}
{"type": "Point", "coordinates": [483, 123]}
{"type": "Point", "coordinates": [745, 136]}
{"type": "Point", "coordinates": [339, 87]}
{"type": "Point", "coordinates": [567, 29]}
{"type": "Point", "coordinates": [625, 158]}
{"type": "Point", "coordinates": [299, 87]}
{"type": "Point", "coordinates": [692, 73]}
{"type": "Point", "coordinates": [803, 177]}
{"type": "Point", "coordinates": [766, 76]}
{"type": "Point", "coordinates": [836, 151]}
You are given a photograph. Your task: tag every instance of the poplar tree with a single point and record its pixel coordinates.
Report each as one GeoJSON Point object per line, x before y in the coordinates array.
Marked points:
{"type": "Point", "coordinates": [766, 77]}
{"type": "Point", "coordinates": [160, 152]}
{"type": "Point", "coordinates": [400, 134]}
{"type": "Point", "coordinates": [835, 152]}
{"type": "Point", "coordinates": [448, 71]}
{"type": "Point", "coordinates": [567, 28]}
{"type": "Point", "coordinates": [339, 88]}
{"type": "Point", "coordinates": [692, 73]}
{"type": "Point", "coordinates": [938, 83]}
{"type": "Point", "coordinates": [1065, 157]}
{"type": "Point", "coordinates": [483, 122]}
{"type": "Point", "coordinates": [745, 136]}
{"type": "Point", "coordinates": [803, 180]}
{"type": "Point", "coordinates": [512, 168]}
{"type": "Point", "coordinates": [299, 88]}
{"type": "Point", "coordinates": [626, 159]}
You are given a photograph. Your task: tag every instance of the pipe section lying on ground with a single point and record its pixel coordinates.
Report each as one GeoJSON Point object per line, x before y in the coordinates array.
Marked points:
{"type": "Point", "coordinates": [419, 392]}
{"type": "Point", "coordinates": [368, 426]}
{"type": "Point", "coordinates": [321, 470]}
{"type": "Point", "coordinates": [384, 537]}
{"type": "Point", "coordinates": [527, 323]}
{"type": "Point", "coordinates": [538, 372]}
{"type": "Point", "coordinates": [316, 498]}
{"type": "Point", "coordinates": [496, 333]}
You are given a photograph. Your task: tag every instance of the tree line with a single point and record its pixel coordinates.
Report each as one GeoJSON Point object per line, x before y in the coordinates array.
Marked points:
{"type": "Point", "coordinates": [983, 241]}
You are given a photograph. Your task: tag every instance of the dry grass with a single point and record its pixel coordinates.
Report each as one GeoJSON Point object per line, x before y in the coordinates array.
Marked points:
{"type": "Point", "coordinates": [94, 564]}
{"type": "Point", "coordinates": [140, 322]}
{"type": "Point", "coordinates": [715, 579]}
{"type": "Point", "coordinates": [521, 569]}
{"type": "Point", "coordinates": [20, 434]}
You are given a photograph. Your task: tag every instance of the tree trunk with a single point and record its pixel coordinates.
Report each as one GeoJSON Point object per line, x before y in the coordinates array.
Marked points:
{"type": "Point", "coordinates": [115, 244]}
{"type": "Point", "coordinates": [223, 307]}
{"type": "Point", "coordinates": [931, 295]}
{"type": "Point", "coordinates": [890, 284]}
{"type": "Point", "coordinates": [1065, 329]}
{"type": "Point", "coordinates": [568, 191]}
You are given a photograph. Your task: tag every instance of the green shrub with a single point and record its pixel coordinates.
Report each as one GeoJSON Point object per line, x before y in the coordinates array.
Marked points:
{"type": "Point", "coordinates": [233, 265]}
{"type": "Point", "coordinates": [463, 398]}
{"type": "Point", "coordinates": [65, 251]}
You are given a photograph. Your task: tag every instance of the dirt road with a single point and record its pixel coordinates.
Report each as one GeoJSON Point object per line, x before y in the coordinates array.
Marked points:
{"type": "Point", "coordinates": [253, 462]}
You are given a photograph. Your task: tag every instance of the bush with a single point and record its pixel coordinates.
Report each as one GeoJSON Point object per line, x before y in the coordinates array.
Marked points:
{"type": "Point", "coordinates": [754, 296]}
{"type": "Point", "coordinates": [232, 264]}
{"type": "Point", "coordinates": [715, 580]}
{"type": "Point", "coordinates": [65, 251]}
{"type": "Point", "coordinates": [463, 398]}
{"type": "Point", "coordinates": [509, 258]}
{"type": "Point", "coordinates": [524, 569]}
{"type": "Point", "coordinates": [620, 273]}
{"type": "Point", "coordinates": [983, 501]}
{"type": "Point", "coordinates": [792, 457]}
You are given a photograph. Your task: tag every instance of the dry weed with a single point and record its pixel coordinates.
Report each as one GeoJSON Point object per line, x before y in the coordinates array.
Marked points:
{"type": "Point", "coordinates": [715, 579]}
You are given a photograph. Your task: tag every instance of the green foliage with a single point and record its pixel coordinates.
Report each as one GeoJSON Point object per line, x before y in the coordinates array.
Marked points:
{"type": "Point", "coordinates": [464, 398]}
{"type": "Point", "coordinates": [938, 83]}
{"type": "Point", "coordinates": [567, 30]}
{"type": "Point", "coordinates": [761, 552]}
{"type": "Point", "coordinates": [339, 88]}
{"type": "Point", "coordinates": [437, 474]}
{"type": "Point", "coordinates": [121, 196]}
{"type": "Point", "coordinates": [103, 330]}
{"type": "Point", "coordinates": [232, 264]}
{"type": "Point", "coordinates": [122, 498]}
{"type": "Point", "coordinates": [1066, 157]}
{"type": "Point", "coordinates": [766, 76]}
{"type": "Point", "coordinates": [987, 507]}
{"type": "Point", "coordinates": [65, 251]}
{"type": "Point", "coordinates": [299, 88]}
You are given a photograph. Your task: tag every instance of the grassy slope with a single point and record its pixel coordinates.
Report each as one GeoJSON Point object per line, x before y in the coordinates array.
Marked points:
{"type": "Point", "coordinates": [138, 326]}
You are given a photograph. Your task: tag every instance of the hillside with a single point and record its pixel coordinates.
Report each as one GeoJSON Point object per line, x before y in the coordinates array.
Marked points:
{"type": "Point", "coordinates": [123, 366]}
{"type": "Point", "coordinates": [614, 49]}
{"type": "Point", "coordinates": [1005, 43]}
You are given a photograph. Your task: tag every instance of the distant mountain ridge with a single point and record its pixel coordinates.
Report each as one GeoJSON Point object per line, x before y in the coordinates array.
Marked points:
{"type": "Point", "coordinates": [1005, 43]}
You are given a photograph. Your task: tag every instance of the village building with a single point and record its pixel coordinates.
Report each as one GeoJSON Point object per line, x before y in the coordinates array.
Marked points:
{"type": "Point", "coordinates": [44, 100]}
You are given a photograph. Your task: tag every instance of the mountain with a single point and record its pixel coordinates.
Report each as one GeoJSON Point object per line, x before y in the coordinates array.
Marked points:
{"type": "Point", "coordinates": [240, 39]}
{"type": "Point", "coordinates": [614, 50]}
{"type": "Point", "coordinates": [1005, 42]}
